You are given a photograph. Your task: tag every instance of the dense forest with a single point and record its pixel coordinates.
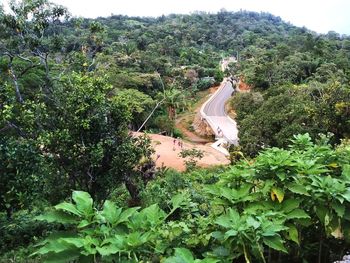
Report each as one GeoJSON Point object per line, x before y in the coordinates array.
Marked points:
{"type": "Point", "coordinates": [77, 186]}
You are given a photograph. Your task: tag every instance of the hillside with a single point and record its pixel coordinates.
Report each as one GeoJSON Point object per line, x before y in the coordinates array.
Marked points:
{"type": "Point", "coordinates": [76, 185]}
{"type": "Point", "coordinates": [280, 61]}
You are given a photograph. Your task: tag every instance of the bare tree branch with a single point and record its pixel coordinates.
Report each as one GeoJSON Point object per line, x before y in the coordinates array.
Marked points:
{"type": "Point", "coordinates": [15, 81]}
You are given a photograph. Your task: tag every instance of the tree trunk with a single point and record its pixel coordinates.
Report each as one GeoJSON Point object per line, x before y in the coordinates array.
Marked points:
{"type": "Point", "coordinates": [15, 81]}
{"type": "Point", "coordinates": [133, 191]}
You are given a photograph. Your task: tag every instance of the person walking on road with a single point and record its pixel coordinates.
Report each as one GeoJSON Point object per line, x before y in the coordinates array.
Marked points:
{"type": "Point", "coordinates": [219, 131]}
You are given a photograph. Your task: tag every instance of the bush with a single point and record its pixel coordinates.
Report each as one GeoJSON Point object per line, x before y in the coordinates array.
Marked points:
{"type": "Point", "coordinates": [205, 83]}
{"type": "Point", "coordinates": [18, 233]}
{"type": "Point", "coordinates": [285, 205]}
{"type": "Point", "coordinates": [177, 133]}
{"type": "Point", "coordinates": [163, 124]}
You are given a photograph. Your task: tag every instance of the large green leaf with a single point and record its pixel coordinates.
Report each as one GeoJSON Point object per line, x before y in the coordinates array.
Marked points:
{"type": "Point", "coordinates": [273, 226]}
{"type": "Point", "coordinates": [182, 255]}
{"type": "Point", "coordinates": [268, 184]}
{"type": "Point", "coordinates": [178, 200]}
{"type": "Point", "coordinates": [55, 236]}
{"type": "Point", "coordinates": [84, 223]}
{"type": "Point", "coordinates": [275, 242]}
{"type": "Point", "coordinates": [252, 222]}
{"type": "Point", "coordinates": [230, 233]}
{"type": "Point", "coordinates": [153, 214]}
{"type": "Point", "coordinates": [338, 208]}
{"type": "Point", "coordinates": [270, 228]}
{"type": "Point", "coordinates": [110, 249]}
{"type": "Point", "coordinates": [59, 217]}
{"type": "Point", "coordinates": [69, 207]}
{"type": "Point", "coordinates": [346, 172]}
{"type": "Point", "coordinates": [90, 245]}
{"type": "Point", "coordinates": [256, 207]}
{"type": "Point", "coordinates": [212, 189]}
{"type": "Point", "coordinates": [228, 193]}
{"type": "Point", "coordinates": [117, 240]}
{"type": "Point", "coordinates": [218, 235]}
{"type": "Point", "coordinates": [293, 233]}
{"type": "Point", "coordinates": [290, 204]}
{"type": "Point", "coordinates": [321, 212]}
{"type": "Point", "coordinates": [77, 242]}
{"type": "Point", "coordinates": [229, 219]}
{"type": "Point", "coordinates": [62, 257]}
{"type": "Point", "coordinates": [346, 195]}
{"type": "Point", "coordinates": [126, 214]}
{"type": "Point", "coordinates": [83, 202]}
{"type": "Point", "coordinates": [207, 260]}
{"type": "Point", "coordinates": [297, 214]}
{"type": "Point", "coordinates": [298, 189]}
{"type": "Point", "coordinates": [54, 246]}
{"type": "Point", "coordinates": [110, 212]}
{"type": "Point", "coordinates": [243, 191]}
{"type": "Point", "coordinates": [136, 239]}
{"type": "Point", "coordinates": [221, 252]}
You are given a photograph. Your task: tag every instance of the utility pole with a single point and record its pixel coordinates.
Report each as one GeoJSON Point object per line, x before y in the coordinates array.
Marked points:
{"type": "Point", "coordinates": [149, 116]}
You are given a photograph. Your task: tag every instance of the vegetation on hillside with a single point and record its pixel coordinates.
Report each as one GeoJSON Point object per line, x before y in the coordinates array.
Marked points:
{"type": "Point", "coordinates": [73, 89]}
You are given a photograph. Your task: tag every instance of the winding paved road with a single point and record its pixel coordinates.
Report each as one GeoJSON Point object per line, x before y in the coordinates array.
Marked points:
{"type": "Point", "coordinates": [215, 114]}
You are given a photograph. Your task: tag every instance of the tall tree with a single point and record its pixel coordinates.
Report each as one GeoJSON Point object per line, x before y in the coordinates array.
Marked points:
{"type": "Point", "coordinates": [27, 34]}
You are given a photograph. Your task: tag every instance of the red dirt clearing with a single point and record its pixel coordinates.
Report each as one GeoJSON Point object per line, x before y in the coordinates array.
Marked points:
{"type": "Point", "coordinates": [164, 147]}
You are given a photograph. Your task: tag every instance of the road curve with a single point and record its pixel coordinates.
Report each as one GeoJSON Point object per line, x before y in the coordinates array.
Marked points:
{"type": "Point", "coordinates": [214, 112]}
{"type": "Point", "coordinates": [216, 104]}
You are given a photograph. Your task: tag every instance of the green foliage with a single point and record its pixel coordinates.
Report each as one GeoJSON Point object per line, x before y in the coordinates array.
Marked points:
{"type": "Point", "coordinates": [280, 187]}
{"type": "Point", "coordinates": [22, 172]}
{"type": "Point", "coordinates": [88, 142]}
{"type": "Point", "coordinates": [177, 133]}
{"type": "Point", "coordinates": [173, 99]}
{"type": "Point", "coordinates": [291, 110]}
{"type": "Point", "coordinates": [275, 202]}
{"type": "Point", "coordinates": [163, 124]}
{"type": "Point", "coordinates": [183, 255]}
{"type": "Point", "coordinates": [163, 188]}
{"type": "Point", "coordinates": [190, 156]}
{"type": "Point", "coordinates": [204, 83]}
{"type": "Point", "coordinates": [284, 201]}
{"type": "Point", "coordinates": [20, 231]}
{"type": "Point", "coordinates": [235, 154]}
{"type": "Point", "coordinates": [246, 103]}
{"type": "Point", "coordinates": [112, 234]}
{"type": "Point", "coordinates": [138, 103]}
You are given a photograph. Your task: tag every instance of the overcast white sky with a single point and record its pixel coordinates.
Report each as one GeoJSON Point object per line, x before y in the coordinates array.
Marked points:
{"type": "Point", "coordinates": [321, 16]}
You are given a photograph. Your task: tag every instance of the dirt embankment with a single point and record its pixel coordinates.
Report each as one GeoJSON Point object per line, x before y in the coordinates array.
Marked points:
{"type": "Point", "coordinates": [201, 126]}
{"type": "Point", "coordinates": [195, 136]}
{"type": "Point", "coordinates": [192, 126]}
{"type": "Point", "coordinates": [243, 86]}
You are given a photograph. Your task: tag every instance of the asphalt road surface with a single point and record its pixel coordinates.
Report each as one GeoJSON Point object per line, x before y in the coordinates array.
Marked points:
{"type": "Point", "coordinates": [221, 124]}
{"type": "Point", "coordinates": [216, 104]}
